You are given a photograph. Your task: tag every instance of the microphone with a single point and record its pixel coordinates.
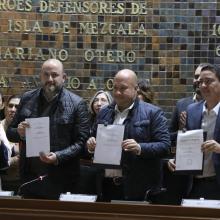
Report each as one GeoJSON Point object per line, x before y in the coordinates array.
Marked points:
{"type": "Point", "coordinates": [40, 178]}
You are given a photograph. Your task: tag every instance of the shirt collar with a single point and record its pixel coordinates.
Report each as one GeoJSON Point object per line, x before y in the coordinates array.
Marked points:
{"type": "Point", "coordinates": [125, 110]}
{"type": "Point", "coordinates": [215, 109]}
{"type": "Point", "coordinates": [195, 97]}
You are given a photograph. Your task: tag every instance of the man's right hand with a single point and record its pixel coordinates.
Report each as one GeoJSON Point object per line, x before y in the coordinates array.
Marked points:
{"type": "Point", "coordinates": [21, 128]}
{"type": "Point", "coordinates": [91, 144]}
{"type": "Point", "coordinates": [171, 165]}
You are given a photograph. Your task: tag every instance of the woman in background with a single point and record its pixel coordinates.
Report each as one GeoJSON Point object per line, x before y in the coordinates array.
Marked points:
{"type": "Point", "coordinates": [89, 175]}
{"type": "Point", "coordinates": [10, 180]}
{"type": "Point", "coordinates": [145, 91]}
{"type": "Point", "coordinates": [98, 101]}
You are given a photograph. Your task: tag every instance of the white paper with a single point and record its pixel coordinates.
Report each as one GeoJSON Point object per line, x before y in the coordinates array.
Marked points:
{"type": "Point", "coordinates": [188, 151]}
{"type": "Point", "coordinates": [6, 193]}
{"type": "Point", "coordinates": [37, 136]}
{"type": "Point", "coordinates": [108, 144]}
{"type": "Point", "coordinates": [201, 203]}
{"type": "Point", "coordinates": [77, 197]}
{"type": "Point", "coordinates": [4, 139]}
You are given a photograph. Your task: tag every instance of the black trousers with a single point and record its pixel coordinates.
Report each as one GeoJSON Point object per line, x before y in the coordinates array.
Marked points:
{"type": "Point", "coordinates": [46, 188]}
{"type": "Point", "coordinates": [207, 188]}
{"type": "Point", "coordinates": [112, 189]}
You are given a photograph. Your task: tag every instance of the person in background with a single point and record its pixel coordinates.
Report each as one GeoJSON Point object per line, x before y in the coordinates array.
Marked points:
{"type": "Point", "coordinates": [176, 184]}
{"type": "Point", "coordinates": [2, 113]}
{"type": "Point", "coordinates": [98, 101]}
{"type": "Point", "coordinates": [145, 91]}
{"type": "Point", "coordinates": [11, 179]}
{"type": "Point", "coordinates": [56, 172]}
{"type": "Point", "coordinates": [178, 120]}
{"type": "Point", "coordinates": [146, 141]}
{"type": "Point", "coordinates": [89, 175]}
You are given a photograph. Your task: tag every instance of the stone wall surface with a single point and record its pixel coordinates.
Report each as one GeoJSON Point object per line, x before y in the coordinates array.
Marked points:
{"type": "Point", "coordinates": [162, 40]}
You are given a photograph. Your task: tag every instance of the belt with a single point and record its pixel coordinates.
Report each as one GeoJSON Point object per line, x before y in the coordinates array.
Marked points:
{"type": "Point", "coordinates": [205, 179]}
{"type": "Point", "coordinates": [115, 180]}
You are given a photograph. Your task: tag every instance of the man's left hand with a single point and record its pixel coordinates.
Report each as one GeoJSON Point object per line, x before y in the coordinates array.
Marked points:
{"type": "Point", "coordinates": [211, 146]}
{"type": "Point", "coordinates": [49, 158]}
{"type": "Point", "coordinates": [132, 146]}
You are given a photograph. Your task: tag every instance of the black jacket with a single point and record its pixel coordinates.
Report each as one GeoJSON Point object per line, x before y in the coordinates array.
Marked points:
{"type": "Point", "coordinates": [147, 125]}
{"type": "Point", "coordinates": [69, 130]}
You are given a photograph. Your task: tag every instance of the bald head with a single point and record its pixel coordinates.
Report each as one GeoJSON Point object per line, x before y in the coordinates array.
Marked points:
{"type": "Point", "coordinates": [52, 77]}
{"type": "Point", "coordinates": [125, 88]}
{"type": "Point", "coordinates": [128, 75]}
{"type": "Point", "coordinates": [53, 62]}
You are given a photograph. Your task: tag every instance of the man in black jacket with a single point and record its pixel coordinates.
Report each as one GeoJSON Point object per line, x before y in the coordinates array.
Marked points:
{"type": "Point", "coordinates": [69, 129]}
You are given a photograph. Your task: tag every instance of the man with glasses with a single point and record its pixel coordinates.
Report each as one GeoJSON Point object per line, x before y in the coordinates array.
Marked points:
{"type": "Point", "coordinates": [206, 115]}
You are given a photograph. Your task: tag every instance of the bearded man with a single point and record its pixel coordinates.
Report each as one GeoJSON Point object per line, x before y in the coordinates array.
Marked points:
{"type": "Point", "coordinates": [69, 130]}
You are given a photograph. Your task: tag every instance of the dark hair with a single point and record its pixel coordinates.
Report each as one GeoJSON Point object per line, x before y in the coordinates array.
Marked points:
{"type": "Point", "coordinates": [213, 68]}
{"type": "Point", "coordinates": [12, 97]}
{"type": "Point", "coordinates": [145, 89]}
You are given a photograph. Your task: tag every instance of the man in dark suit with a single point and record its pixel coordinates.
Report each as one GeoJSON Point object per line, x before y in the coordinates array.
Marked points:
{"type": "Point", "coordinates": [206, 115]}
{"type": "Point", "coordinates": [176, 184]}
{"type": "Point", "coordinates": [178, 120]}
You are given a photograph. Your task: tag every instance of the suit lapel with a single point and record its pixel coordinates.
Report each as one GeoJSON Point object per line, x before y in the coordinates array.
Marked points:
{"type": "Point", "coordinates": [217, 128]}
{"type": "Point", "coordinates": [196, 116]}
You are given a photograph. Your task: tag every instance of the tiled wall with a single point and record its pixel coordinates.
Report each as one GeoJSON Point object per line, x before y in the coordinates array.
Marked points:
{"type": "Point", "coordinates": [174, 37]}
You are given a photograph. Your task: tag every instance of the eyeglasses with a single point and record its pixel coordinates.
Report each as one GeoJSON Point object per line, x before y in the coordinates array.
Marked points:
{"type": "Point", "coordinates": [196, 76]}
{"type": "Point", "coordinates": [206, 81]}
{"type": "Point", "coordinates": [10, 105]}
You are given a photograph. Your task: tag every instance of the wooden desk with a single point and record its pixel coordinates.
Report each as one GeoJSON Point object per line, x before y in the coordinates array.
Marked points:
{"type": "Point", "coordinates": [11, 209]}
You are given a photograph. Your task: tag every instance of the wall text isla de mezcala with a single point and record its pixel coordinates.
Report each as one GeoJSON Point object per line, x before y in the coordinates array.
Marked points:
{"type": "Point", "coordinates": [64, 27]}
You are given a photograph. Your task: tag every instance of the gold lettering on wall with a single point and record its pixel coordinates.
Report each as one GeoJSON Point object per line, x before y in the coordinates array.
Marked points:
{"type": "Point", "coordinates": [3, 82]}
{"type": "Point", "coordinates": [92, 85]}
{"type": "Point", "coordinates": [19, 53]}
{"type": "Point", "coordinates": [30, 82]}
{"type": "Point", "coordinates": [54, 28]}
{"type": "Point", "coordinates": [16, 5]}
{"type": "Point", "coordinates": [73, 83]}
{"type": "Point", "coordinates": [76, 7]}
{"type": "Point", "coordinates": [112, 29]}
{"type": "Point", "coordinates": [111, 56]}
{"type": "Point", "coordinates": [24, 26]}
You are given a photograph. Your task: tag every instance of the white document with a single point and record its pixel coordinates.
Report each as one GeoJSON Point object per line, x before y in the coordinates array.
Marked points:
{"type": "Point", "coordinates": [188, 150]}
{"type": "Point", "coordinates": [108, 144]}
{"type": "Point", "coordinates": [77, 197]}
{"type": "Point", "coordinates": [201, 203]}
{"type": "Point", "coordinates": [4, 139]}
{"type": "Point", "coordinates": [37, 136]}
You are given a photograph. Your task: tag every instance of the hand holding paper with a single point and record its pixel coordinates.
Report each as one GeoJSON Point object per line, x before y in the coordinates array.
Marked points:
{"type": "Point", "coordinates": [131, 145]}
{"type": "Point", "coordinates": [37, 136]}
{"type": "Point", "coordinates": [211, 146]}
{"type": "Point", "coordinates": [50, 158]}
{"type": "Point", "coordinates": [22, 127]}
{"type": "Point", "coordinates": [108, 144]}
{"type": "Point", "coordinates": [189, 156]}
{"type": "Point", "coordinates": [91, 144]}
